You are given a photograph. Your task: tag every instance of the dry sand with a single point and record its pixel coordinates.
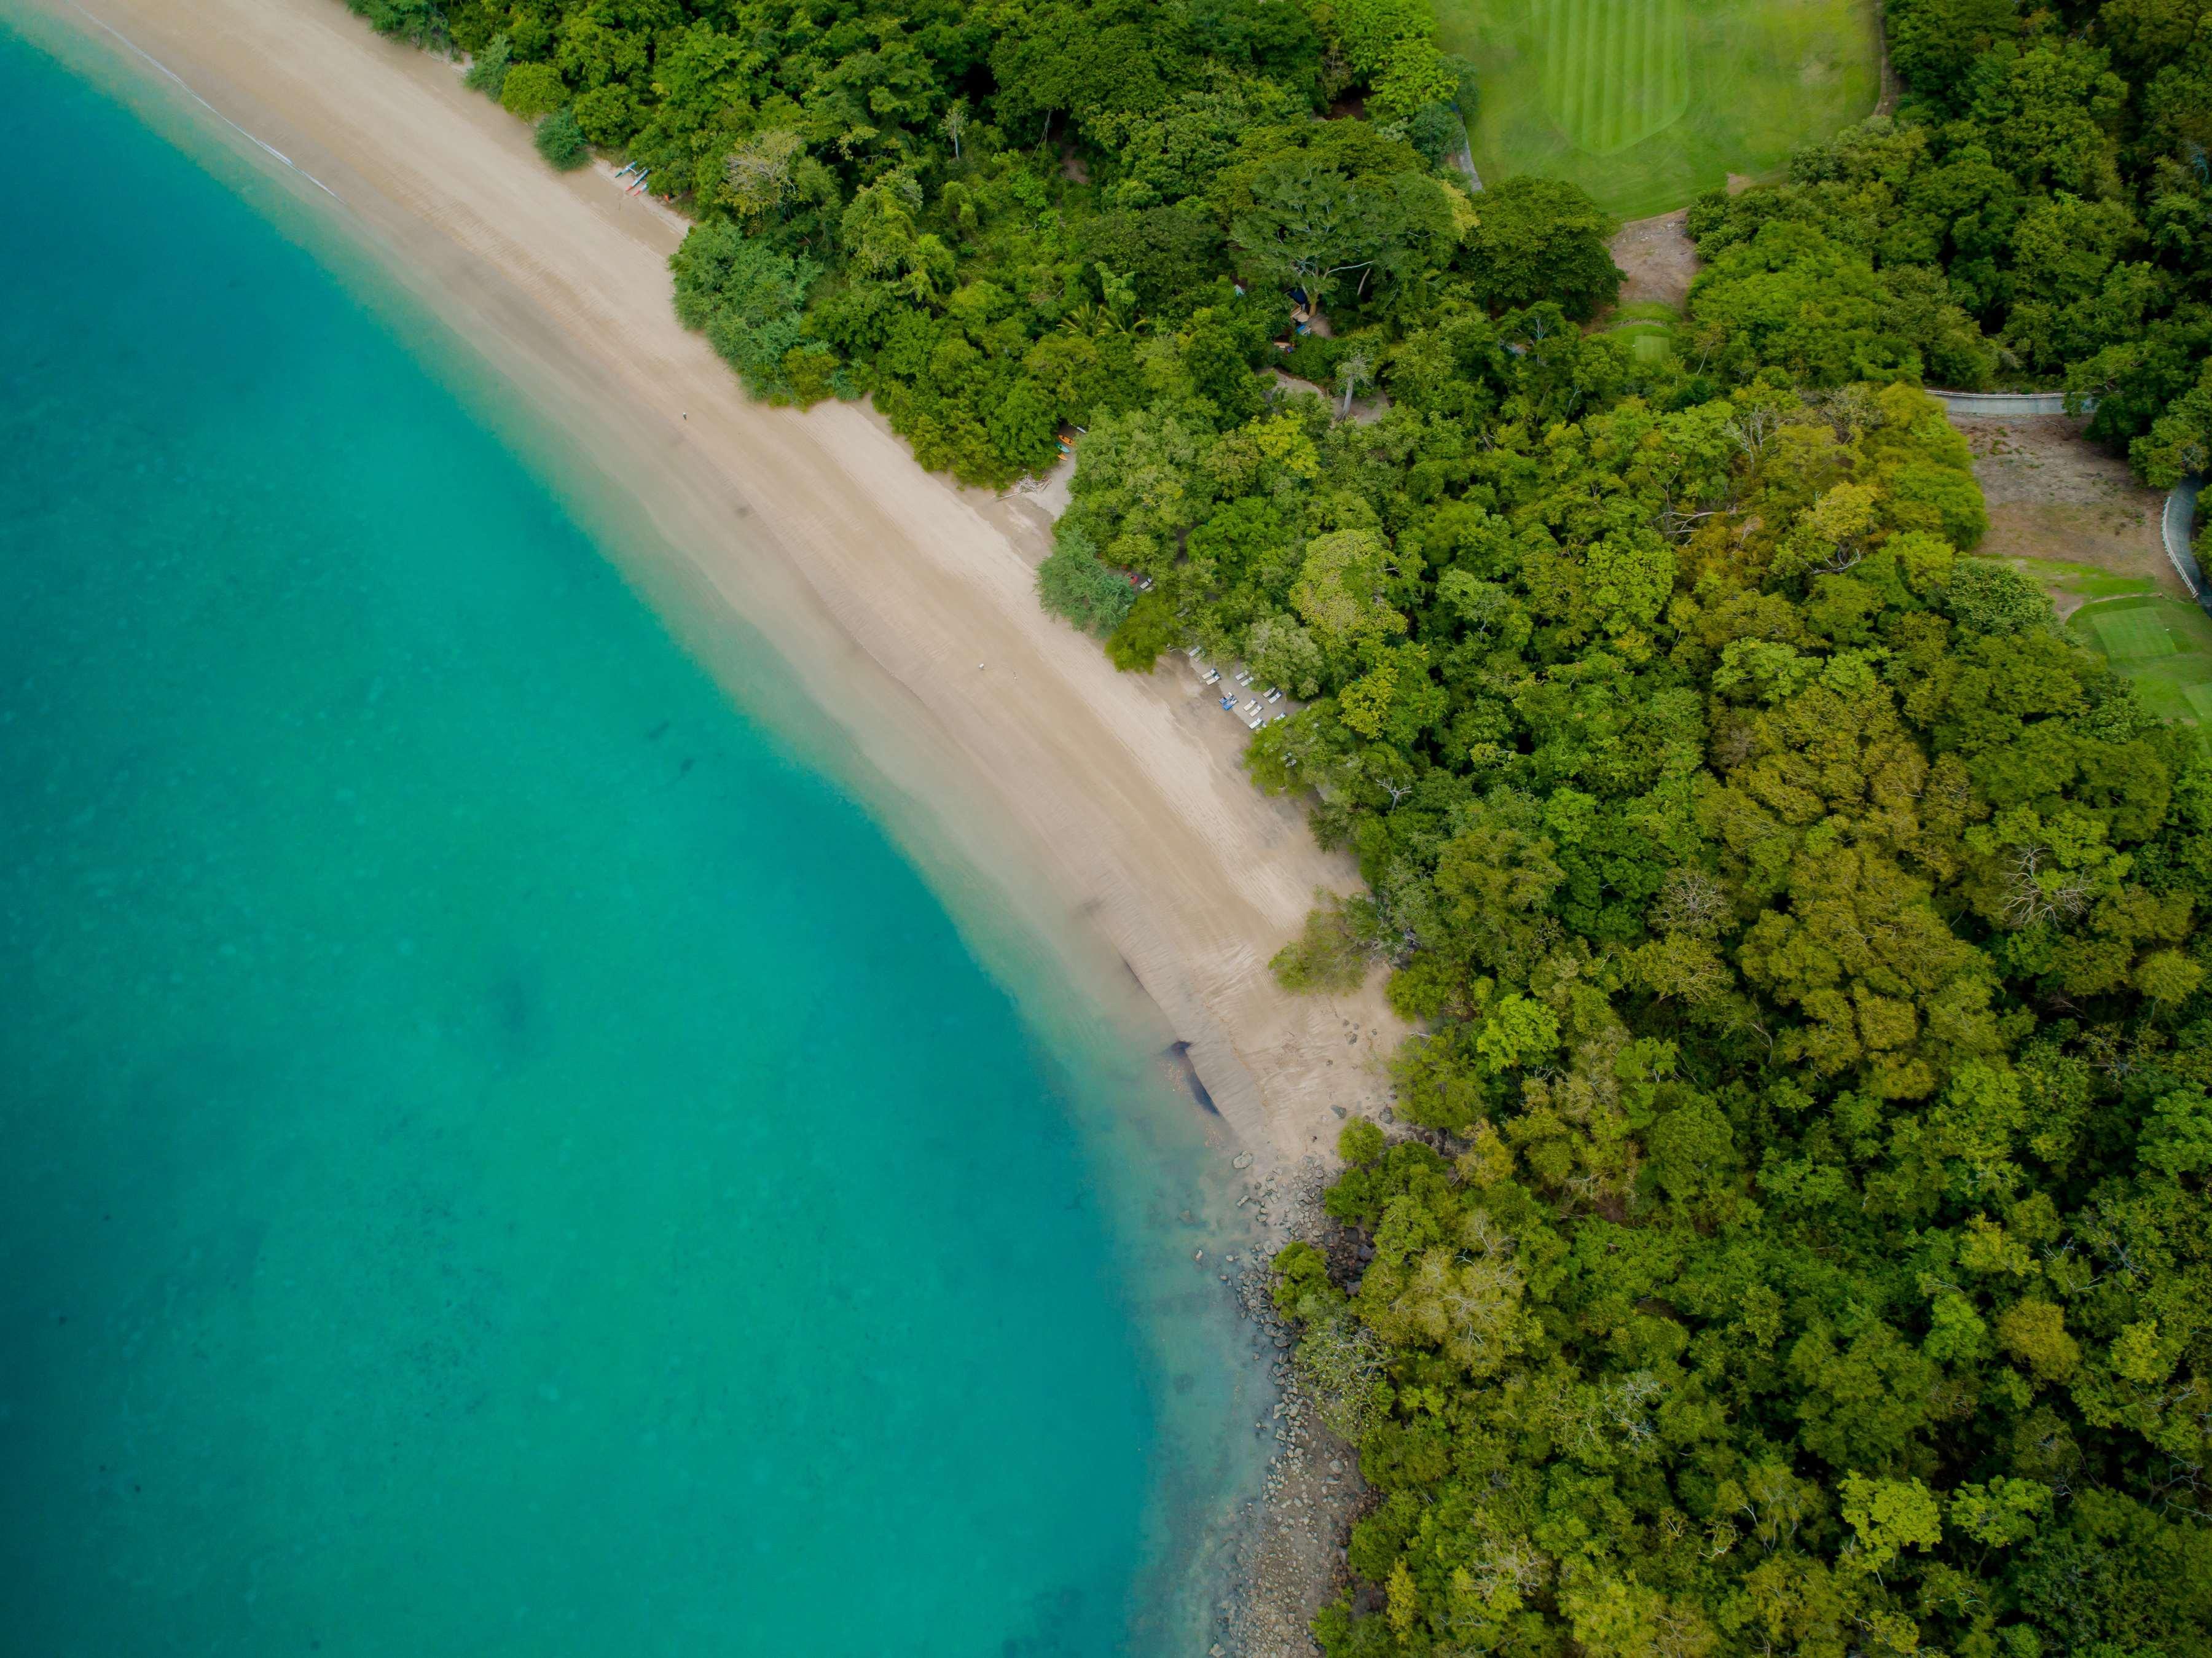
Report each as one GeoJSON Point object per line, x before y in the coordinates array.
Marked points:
{"type": "Point", "coordinates": [1107, 813]}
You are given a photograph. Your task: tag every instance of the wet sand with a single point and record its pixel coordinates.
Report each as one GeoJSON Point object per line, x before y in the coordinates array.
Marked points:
{"type": "Point", "coordinates": [1108, 813]}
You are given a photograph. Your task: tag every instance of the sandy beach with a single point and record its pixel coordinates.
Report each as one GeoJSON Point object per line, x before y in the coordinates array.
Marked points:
{"type": "Point", "coordinates": [1108, 812]}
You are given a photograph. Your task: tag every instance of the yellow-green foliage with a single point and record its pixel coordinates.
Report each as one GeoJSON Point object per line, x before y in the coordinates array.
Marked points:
{"type": "Point", "coordinates": [1808, 937]}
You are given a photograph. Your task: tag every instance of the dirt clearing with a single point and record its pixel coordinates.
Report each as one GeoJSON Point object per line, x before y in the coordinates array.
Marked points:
{"type": "Point", "coordinates": [1659, 258]}
{"type": "Point", "coordinates": [2053, 496]}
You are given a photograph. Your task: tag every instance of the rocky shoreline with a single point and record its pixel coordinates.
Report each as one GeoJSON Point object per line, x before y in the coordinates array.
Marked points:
{"type": "Point", "coordinates": [1290, 1551]}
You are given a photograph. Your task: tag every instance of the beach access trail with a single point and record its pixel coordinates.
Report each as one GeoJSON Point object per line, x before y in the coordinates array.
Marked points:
{"type": "Point", "coordinates": [1108, 810]}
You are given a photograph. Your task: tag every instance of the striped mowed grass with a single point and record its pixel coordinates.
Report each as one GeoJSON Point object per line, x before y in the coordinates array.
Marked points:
{"type": "Point", "coordinates": [2160, 645]}
{"type": "Point", "coordinates": [1644, 103]}
{"type": "Point", "coordinates": [2163, 645]}
{"type": "Point", "coordinates": [2131, 635]}
{"type": "Point", "coordinates": [1615, 71]}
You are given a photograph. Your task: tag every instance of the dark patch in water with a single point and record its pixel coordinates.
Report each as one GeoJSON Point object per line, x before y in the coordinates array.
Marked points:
{"type": "Point", "coordinates": [1060, 1627]}
{"type": "Point", "coordinates": [512, 1005]}
{"type": "Point", "coordinates": [1178, 1055]}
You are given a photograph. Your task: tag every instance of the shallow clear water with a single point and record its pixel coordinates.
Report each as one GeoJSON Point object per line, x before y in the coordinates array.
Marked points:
{"type": "Point", "coordinates": [495, 1157]}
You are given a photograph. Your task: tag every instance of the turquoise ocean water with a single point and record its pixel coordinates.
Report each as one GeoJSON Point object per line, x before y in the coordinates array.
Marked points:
{"type": "Point", "coordinates": [496, 1155]}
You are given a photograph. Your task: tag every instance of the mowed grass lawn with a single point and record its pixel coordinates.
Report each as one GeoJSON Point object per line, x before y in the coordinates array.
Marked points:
{"type": "Point", "coordinates": [1649, 327]}
{"type": "Point", "coordinates": [1647, 103]}
{"type": "Point", "coordinates": [2164, 644]}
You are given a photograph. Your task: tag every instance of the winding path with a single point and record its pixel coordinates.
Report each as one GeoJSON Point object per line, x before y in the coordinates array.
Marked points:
{"type": "Point", "coordinates": [1463, 157]}
{"type": "Point", "coordinates": [1983, 404]}
{"type": "Point", "coordinates": [2177, 524]}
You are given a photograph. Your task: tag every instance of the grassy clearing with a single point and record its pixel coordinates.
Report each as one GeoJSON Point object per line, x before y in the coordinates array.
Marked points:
{"type": "Point", "coordinates": [1645, 103]}
{"type": "Point", "coordinates": [1649, 325]}
{"type": "Point", "coordinates": [2071, 585]}
{"type": "Point", "coordinates": [2163, 644]}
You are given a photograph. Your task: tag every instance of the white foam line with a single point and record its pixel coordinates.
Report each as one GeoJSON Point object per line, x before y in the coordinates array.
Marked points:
{"type": "Point", "coordinates": [182, 85]}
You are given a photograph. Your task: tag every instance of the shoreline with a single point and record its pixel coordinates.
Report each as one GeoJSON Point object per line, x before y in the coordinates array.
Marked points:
{"type": "Point", "coordinates": [1071, 818]}
{"type": "Point", "coordinates": [1106, 808]}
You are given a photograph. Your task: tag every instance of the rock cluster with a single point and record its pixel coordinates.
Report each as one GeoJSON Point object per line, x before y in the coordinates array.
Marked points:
{"type": "Point", "coordinates": [1291, 1557]}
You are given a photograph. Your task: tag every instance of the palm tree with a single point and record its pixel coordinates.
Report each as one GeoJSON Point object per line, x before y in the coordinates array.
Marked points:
{"type": "Point", "coordinates": [1354, 372]}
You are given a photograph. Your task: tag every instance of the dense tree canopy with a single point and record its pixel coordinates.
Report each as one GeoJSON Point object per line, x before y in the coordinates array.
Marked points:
{"type": "Point", "coordinates": [1804, 1244]}
{"type": "Point", "coordinates": [2037, 211]}
{"type": "Point", "coordinates": [999, 219]}
{"type": "Point", "coordinates": [1811, 1246]}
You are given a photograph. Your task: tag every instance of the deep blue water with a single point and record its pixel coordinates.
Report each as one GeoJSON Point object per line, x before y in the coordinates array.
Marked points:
{"type": "Point", "coordinates": [496, 1156]}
